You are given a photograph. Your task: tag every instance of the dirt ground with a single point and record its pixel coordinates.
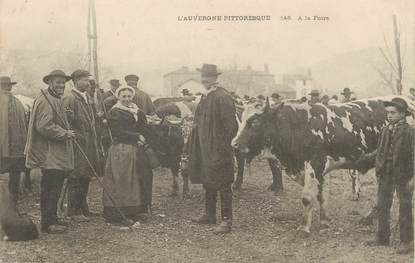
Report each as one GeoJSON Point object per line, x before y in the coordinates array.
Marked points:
{"type": "Point", "coordinates": [264, 228]}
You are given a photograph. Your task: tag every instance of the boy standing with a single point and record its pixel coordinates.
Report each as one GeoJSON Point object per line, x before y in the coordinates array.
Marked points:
{"type": "Point", "coordinates": [394, 170]}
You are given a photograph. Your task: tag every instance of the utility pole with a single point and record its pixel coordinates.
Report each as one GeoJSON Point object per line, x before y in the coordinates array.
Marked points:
{"type": "Point", "coordinates": [398, 56]}
{"type": "Point", "coordinates": [1, 33]}
{"type": "Point", "coordinates": [93, 40]}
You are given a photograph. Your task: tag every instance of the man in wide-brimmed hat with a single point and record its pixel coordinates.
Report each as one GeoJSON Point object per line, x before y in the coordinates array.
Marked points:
{"type": "Point", "coordinates": [141, 98]}
{"type": "Point", "coordinates": [80, 115]}
{"type": "Point", "coordinates": [13, 134]}
{"type": "Point", "coordinates": [114, 85]}
{"type": "Point", "coordinates": [211, 153]}
{"type": "Point", "coordinates": [49, 147]}
{"type": "Point", "coordinates": [314, 96]}
{"type": "Point", "coordinates": [394, 170]}
{"type": "Point", "coordinates": [347, 95]}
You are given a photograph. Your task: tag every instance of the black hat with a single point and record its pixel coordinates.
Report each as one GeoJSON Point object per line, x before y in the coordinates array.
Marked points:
{"type": "Point", "coordinates": [6, 81]}
{"type": "Point", "coordinates": [209, 70]}
{"type": "Point", "coordinates": [346, 91]}
{"type": "Point", "coordinates": [79, 73]}
{"type": "Point", "coordinates": [115, 82]}
{"type": "Point", "coordinates": [275, 96]}
{"type": "Point", "coordinates": [55, 73]}
{"type": "Point", "coordinates": [399, 103]}
{"type": "Point", "coordinates": [314, 92]}
{"type": "Point", "coordinates": [131, 77]}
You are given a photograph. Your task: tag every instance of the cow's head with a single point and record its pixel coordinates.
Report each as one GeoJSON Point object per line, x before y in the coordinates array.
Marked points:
{"type": "Point", "coordinates": [254, 130]}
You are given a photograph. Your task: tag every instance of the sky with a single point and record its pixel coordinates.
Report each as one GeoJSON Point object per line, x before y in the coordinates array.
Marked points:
{"type": "Point", "coordinates": [145, 35]}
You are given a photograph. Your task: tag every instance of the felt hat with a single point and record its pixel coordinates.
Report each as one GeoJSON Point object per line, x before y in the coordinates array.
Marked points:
{"type": "Point", "coordinates": [400, 104]}
{"type": "Point", "coordinates": [6, 81]}
{"type": "Point", "coordinates": [346, 91]}
{"type": "Point", "coordinates": [209, 70]}
{"type": "Point", "coordinates": [314, 92]}
{"type": "Point", "coordinates": [79, 73]}
{"type": "Point", "coordinates": [55, 73]}
{"type": "Point", "coordinates": [275, 96]}
{"type": "Point", "coordinates": [115, 82]}
{"type": "Point", "coordinates": [131, 77]}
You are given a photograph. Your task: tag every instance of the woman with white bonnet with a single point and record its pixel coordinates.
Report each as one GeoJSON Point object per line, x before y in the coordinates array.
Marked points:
{"type": "Point", "coordinates": [128, 176]}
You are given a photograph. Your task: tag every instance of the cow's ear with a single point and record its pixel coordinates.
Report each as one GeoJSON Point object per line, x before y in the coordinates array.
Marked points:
{"type": "Point", "coordinates": [267, 106]}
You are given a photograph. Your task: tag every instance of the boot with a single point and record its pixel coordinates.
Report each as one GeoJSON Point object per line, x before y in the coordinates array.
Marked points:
{"type": "Point", "coordinates": [224, 227]}
{"type": "Point", "coordinates": [53, 229]}
{"type": "Point", "coordinates": [210, 209]}
{"type": "Point", "coordinates": [377, 242]}
{"type": "Point", "coordinates": [404, 248]}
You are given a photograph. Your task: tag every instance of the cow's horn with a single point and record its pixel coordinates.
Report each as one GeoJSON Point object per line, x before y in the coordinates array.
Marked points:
{"type": "Point", "coordinates": [267, 106]}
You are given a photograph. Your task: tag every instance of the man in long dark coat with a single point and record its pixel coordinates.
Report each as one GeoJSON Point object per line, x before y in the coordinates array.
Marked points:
{"type": "Point", "coordinates": [141, 98]}
{"type": "Point", "coordinates": [80, 115]}
{"type": "Point", "coordinates": [13, 134]}
{"type": "Point", "coordinates": [49, 147]}
{"type": "Point", "coordinates": [211, 153]}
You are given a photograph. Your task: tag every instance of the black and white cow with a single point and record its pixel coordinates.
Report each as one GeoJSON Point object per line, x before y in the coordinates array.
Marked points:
{"type": "Point", "coordinates": [170, 136]}
{"type": "Point", "coordinates": [302, 136]}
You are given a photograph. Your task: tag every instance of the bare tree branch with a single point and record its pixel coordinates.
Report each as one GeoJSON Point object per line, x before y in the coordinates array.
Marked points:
{"type": "Point", "coordinates": [387, 81]}
{"type": "Point", "coordinates": [388, 49]}
{"type": "Point", "coordinates": [389, 62]}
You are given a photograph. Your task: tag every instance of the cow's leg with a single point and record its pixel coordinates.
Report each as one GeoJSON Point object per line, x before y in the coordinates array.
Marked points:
{"type": "Point", "coordinates": [370, 217]}
{"type": "Point", "coordinates": [186, 191]}
{"type": "Point", "coordinates": [324, 219]}
{"type": "Point", "coordinates": [175, 186]}
{"type": "Point", "coordinates": [240, 163]}
{"type": "Point", "coordinates": [308, 197]}
{"type": "Point", "coordinates": [319, 166]}
{"type": "Point", "coordinates": [277, 185]}
{"type": "Point", "coordinates": [355, 175]}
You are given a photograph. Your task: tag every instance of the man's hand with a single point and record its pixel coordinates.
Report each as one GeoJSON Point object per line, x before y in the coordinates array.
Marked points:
{"type": "Point", "coordinates": [70, 134]}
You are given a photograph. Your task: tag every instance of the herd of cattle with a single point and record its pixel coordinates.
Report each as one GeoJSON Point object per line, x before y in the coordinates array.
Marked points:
{"type": "Point", "coordinates": [306, 140]}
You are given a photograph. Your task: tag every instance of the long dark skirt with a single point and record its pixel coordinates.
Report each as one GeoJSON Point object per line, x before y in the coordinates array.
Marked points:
{"type": "Point", "coordinates": [129, 180]}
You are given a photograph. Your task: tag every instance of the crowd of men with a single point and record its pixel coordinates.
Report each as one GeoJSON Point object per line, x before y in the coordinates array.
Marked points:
{"type": "Point", "coordinates": [67, 136]}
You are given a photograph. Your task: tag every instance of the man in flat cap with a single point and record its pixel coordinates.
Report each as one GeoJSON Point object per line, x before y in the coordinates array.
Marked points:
{"type": "Point", "coordinates": [49, 147]}
{"type": "Point", "coordinates": [211, 153]}
{"type": "Point", "coordinates": [141, 99]}
{"type": "Point", "coordinates": [114, 85]}
{"type": "Point", "coordinates": [80, 115]}
{"type": "Point", "coordinates": [13, 135]}
{"type": "Point", "coordinates": [394, 161]}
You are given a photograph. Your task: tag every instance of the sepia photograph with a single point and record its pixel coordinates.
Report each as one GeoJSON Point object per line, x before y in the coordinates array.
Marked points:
{"type": "Point", "coordinates": [207, 131]}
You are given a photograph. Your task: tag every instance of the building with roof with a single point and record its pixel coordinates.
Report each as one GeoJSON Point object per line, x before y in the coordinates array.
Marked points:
{"type": "Point", "coordinates": [301, 84]}
{"type": "Point", "coordinates": [241, 81]}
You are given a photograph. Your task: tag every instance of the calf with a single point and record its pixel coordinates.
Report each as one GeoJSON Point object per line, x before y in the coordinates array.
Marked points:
{"type": "Point", "coordinates": [301, 136]}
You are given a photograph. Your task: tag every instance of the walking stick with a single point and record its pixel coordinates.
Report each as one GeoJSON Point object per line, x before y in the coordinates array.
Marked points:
{"type": "Point", "coordinates": [89, 163]}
